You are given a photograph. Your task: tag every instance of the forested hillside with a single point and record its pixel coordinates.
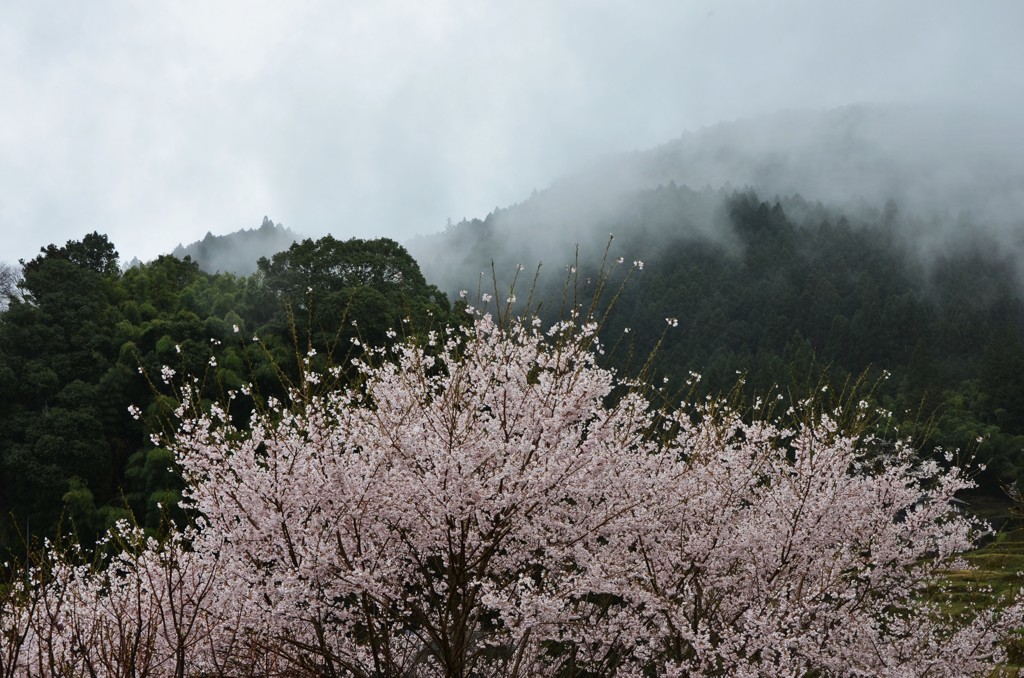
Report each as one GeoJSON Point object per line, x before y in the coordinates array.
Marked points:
{"type": "Point", "coordinates": [84, 341]}
{"type": "Point", "coordinates": [791, 294]}
{"type": "Point", "coordinates": [793, 248]}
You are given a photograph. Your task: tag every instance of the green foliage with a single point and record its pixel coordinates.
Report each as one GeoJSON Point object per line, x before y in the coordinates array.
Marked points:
{"type": "Point", "coordinates": [84, 342]}
{"type": "Point", "coordinates": [80, 506]}
{"type": "Point", "coordinates": [847, 299]}
{"type": "Point", "coordinates": [94, 253]}
{"type": "Point", "coordinates": [332, 292]}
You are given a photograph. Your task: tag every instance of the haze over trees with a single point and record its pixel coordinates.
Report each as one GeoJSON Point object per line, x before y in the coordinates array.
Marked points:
{"type": "Point", "coordinates": [238, 252]}
{"type": "Point", "coordinates": [322, 467]}
{"type": "Point", "coordinates": [787, 289]}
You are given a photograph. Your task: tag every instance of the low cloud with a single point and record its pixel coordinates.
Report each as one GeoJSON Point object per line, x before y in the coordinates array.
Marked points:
{"type": "Point", "coordinates": [156, 124]}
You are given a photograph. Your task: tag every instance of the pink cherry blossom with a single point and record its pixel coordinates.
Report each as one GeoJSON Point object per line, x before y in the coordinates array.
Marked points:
{"type": "Point", "coordinates": [498, 504]}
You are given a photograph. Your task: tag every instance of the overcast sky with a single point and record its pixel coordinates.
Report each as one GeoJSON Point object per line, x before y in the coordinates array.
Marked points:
{"type": "Point", "coordinates": [155, 122]}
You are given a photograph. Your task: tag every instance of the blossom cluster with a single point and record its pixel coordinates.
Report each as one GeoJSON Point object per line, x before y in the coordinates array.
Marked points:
{"type": "Point", "coordinates": [498, 504]}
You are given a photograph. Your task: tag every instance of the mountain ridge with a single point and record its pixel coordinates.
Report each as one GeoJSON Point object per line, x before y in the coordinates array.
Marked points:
{"type": "Point", "coordinates": [945, 173]}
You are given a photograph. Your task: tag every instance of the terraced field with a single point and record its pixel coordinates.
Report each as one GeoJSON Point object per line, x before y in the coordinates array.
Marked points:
{"type": "Point", "coordinates": [999, 571]}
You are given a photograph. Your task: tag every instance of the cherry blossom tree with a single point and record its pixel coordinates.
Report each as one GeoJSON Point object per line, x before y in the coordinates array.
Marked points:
{"type": "Point", "coordinates": [492, 502]}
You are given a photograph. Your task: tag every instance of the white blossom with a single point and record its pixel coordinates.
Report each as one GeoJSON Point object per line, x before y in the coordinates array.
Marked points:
{"type": "Point", "coordinates": [488, 497]}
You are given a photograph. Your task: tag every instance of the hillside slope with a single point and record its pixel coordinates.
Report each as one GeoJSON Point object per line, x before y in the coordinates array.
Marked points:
{"type": "Point", "coordinates": [948, 174]}
{"type": "Point", "coordinates": [815, 248]}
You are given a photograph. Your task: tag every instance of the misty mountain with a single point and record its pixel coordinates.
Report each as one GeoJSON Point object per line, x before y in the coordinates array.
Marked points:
{"type": "Point", "coordinates": [933, 162]}
{"type": "Point", "coordinates": [238, 252]}
{"type": "Point", "coordinates": [798, 249]}
{"type": "Point", "coordinates": [942, 175]}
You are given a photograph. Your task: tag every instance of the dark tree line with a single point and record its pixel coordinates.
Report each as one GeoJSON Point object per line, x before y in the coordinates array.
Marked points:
{"type": "Point", "coordinates": [790, 294]}
{"type": "Point", "coordinates": [817, 300]}
{"type": "Point", "coordinates": [81, 341]}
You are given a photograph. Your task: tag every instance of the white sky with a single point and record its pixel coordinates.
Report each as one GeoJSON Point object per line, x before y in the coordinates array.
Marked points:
{"type": "Point", "coordinates": [155, 122]}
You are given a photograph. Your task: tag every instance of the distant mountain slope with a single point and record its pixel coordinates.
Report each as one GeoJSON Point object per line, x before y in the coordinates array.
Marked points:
{"type": "Point", "coordinates": [238, 252]}
{"type": "Point", "coordinates": [930, 161]}
{"type": "Point", "coordinates": [946, 172]}
{"type": "Point", "coordinates": [801, 250]}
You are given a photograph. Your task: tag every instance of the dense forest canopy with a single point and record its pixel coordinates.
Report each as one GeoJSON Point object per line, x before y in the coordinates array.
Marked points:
{"type": "Point", "coordinates": [82, 342]}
